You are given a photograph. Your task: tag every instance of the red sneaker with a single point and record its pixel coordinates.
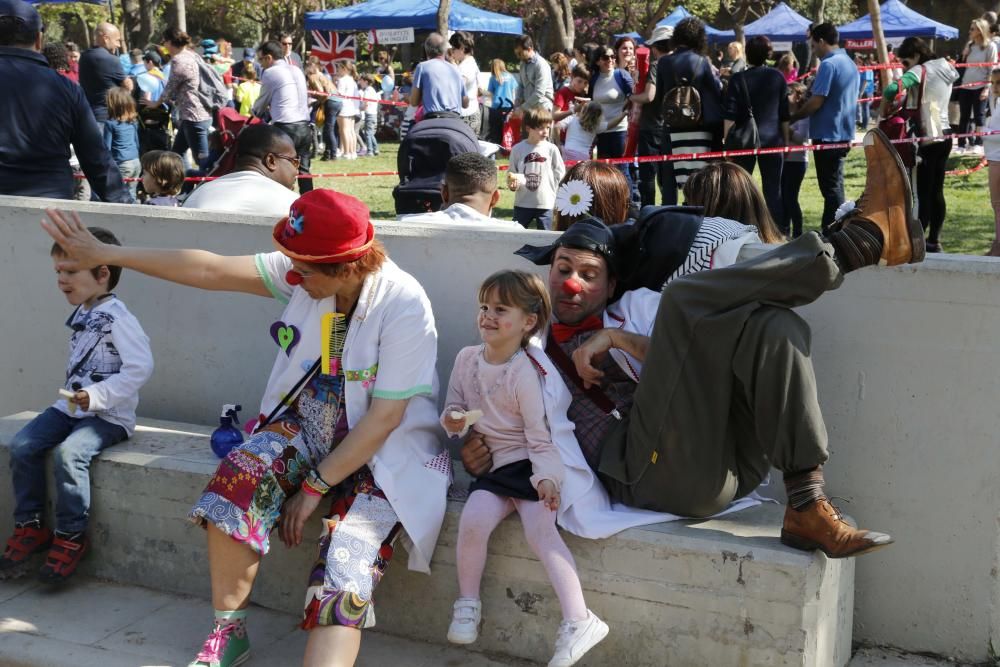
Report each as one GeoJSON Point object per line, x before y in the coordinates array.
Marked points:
{"type": "Point", "coordinates": [63, 559]}
{"type": "Point", "coordinates": [28, 540]}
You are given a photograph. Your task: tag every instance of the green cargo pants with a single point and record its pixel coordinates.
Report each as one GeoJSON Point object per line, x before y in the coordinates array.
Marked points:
{"type": "Point", "coordinates": [727, 386]}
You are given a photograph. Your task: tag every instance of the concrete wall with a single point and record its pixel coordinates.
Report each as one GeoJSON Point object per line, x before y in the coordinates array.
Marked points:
{"type": "Point", "coordinates": [907, 366]}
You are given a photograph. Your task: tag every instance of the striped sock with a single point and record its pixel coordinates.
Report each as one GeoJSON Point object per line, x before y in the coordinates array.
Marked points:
{"type": "Point", "coordinates": [804, 487]}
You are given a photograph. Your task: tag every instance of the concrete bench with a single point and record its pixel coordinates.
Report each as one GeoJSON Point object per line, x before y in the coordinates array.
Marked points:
{"type": "Point", "coordinates": [716, 592]}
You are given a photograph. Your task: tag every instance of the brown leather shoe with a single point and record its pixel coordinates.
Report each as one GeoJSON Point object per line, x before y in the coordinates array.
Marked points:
{"type": "Point", "coordinates": [822, 526]}
{"type": "Point", "coordinates": [887, 202]}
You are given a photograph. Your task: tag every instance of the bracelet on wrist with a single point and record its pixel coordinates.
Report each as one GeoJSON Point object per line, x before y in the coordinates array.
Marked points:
{"type": "Point", "coordinates": [310, 490]}
{"type": "Point", "coordinates": [314, 480]}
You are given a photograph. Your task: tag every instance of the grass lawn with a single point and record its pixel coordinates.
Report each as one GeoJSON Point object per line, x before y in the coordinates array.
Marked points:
{"type": "Point", "coordinates": [968, 229]}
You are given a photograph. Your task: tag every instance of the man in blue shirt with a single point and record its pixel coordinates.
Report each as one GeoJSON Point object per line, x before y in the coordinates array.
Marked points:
{"type": "Point", "coordinates": [41, 114]}
{"type": "Point", "coordinates": [437, 83]}
{"type": "Point", "coordinates": [833, 106]}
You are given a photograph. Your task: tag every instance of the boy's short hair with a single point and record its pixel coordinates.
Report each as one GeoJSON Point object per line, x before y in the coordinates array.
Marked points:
{"type": "Point", "coordinates": [367, 77]}
{"type": "Point", "coordinates": [166, 168]}
{"type": "Point", "coordinates": [104, 236]}
{"type": "Point", "coordinates": [469, 173]}
{"type": "Point", "coordinates": [535, 118]}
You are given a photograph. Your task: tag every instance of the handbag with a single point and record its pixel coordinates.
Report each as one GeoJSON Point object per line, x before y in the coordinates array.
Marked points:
{"type": "Point", "coordinates": [744, 135]}
{"type": "Point", "coordinates": [905, 123]}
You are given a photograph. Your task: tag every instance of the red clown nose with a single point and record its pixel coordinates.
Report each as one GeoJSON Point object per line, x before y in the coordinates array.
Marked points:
{"type": "Point", "coordinates": [572, 287]}
{"type": "Point", "coordinates": [293, 278]}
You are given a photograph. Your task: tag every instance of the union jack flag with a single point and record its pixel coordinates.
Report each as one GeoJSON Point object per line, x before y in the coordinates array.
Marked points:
{"type": "Point", "coordinates": [332, 47]}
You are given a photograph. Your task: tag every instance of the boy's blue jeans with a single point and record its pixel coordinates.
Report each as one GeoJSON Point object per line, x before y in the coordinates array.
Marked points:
{"type": "Point", "coordinates": [75, 442]}
{"type": "Point", "coordinates": [368, 133]}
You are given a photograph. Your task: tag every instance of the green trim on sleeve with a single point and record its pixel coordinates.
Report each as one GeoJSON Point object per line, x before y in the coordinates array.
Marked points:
{"type": "Point", "coordinates": [258, 260]}
{"type": "Point", "coordinates": [420, 389]}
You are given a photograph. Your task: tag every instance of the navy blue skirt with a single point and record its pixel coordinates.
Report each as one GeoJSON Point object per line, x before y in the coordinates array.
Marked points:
{"type": "Point", "coordinates": [511, 481]}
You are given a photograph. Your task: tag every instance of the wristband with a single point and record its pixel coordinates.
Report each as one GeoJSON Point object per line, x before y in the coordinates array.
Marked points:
{"type": "Point", "coordinates": [309, 490]}
{"type": "Point", "coordinates": [316, 482]}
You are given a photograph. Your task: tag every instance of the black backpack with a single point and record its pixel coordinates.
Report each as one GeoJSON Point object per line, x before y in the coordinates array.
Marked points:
{"type": "Point", "coordinates": [682, 104]}
{"type": "Point", "coordinates": [649, 251]}
{"type": "Point", "coordinates": [423, 156]}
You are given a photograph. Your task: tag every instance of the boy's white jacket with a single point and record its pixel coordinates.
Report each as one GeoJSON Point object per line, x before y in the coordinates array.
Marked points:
{"type": "Point", "coordinates": [585, 508]}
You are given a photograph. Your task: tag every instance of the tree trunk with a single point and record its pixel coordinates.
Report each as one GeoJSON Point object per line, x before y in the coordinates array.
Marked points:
{"type": "Point", "coordinates": [880, 46]}
{"type": "Point", "coordinates": [181, 14]}
{"type": "Point", "coordinates": [147, 14]}
{"type": "Point", "coordinates": [444, 9]}
{"type": "Point", "coordinates": [562, 12]}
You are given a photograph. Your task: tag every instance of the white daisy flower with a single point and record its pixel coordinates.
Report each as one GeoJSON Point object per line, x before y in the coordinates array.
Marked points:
{"type": "Point", "coordinates": [574, 198]}
{"type": "Point", "coordinates": [341, 555]}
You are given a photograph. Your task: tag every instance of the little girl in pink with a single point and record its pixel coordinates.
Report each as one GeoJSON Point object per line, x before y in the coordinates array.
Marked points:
{"type": "Point", "coordinates": [497, 385]}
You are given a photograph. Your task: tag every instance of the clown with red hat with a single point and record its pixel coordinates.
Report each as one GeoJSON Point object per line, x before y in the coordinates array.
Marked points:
{"type": "Point", "coordinates": [353, 380]}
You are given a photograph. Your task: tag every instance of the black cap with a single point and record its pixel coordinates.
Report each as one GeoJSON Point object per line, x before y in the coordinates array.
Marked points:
{"type": "Point", "coordinates": [585, 234]}
{"type": "Point", "coordinates": [153, 57]}
{"type": "Point", "coordinates": [23, 12]}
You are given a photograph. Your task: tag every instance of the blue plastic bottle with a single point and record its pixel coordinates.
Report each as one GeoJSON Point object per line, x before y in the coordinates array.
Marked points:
{"type": "Point", "coordinates": [227, 436]}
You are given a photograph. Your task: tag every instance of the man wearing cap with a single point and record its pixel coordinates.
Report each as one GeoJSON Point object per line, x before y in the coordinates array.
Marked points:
{"type": "Point", "coordinates": [43, 113]}
{"type": "Point", "coordinates": [101, 70]}
{"type": "Point", "coordinates": [683, 402]}
{"type": "Point", "coordinates": [261, 181]}
{"type": "Point", "coordinates": [348, 420]}
{"type": "Point", "coordinates": [151, 80]}
{"type": "Point", "coordinates": [651, 128]}
{"type": "Point", "coordinates": [284, 97]}
{"type": "Point", "coordinates": [249, 60]}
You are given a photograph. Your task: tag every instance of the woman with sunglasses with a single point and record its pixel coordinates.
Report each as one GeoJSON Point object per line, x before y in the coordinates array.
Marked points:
{"type": "Point", "coordinates": [348, 420]}
{"type": "Point", "coordinates": [611, 85]}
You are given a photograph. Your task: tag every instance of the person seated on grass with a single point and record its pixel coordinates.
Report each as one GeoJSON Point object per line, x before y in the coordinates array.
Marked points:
{"type": "Point", "coordinates": [682, 402]}
{"type": "Point", "coordinates": [468, 195]}
{"type": "Point", "coordinates": [109, 360]}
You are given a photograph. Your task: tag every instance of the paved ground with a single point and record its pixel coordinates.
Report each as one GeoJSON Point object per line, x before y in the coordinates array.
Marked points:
{"type": "Point", "coordinates": [98, 624]}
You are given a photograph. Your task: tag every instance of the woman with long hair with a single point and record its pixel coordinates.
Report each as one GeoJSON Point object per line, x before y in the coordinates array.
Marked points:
{"type": "Point", "coordinates": [972, 100]}
{"type": "Point", "coordinates": [347, 88]}
{"type": "Point", "coordinates": [502, 90]}
{"type": "Point", "coordinates": [322, 90]}
{"type": "Point", "coordinates": [727, 190]}
{"type": "Point", "coordinates": [611, 85]}
{"type": "Point", "coordinates": [928, 79]}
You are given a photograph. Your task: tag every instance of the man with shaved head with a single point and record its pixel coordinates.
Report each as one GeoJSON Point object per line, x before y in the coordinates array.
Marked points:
{"type": "Point", "coordinates": [101, 70]}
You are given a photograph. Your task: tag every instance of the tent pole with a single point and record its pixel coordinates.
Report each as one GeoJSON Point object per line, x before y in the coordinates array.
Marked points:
{"type": "Point", "coordinates": [880, 46]}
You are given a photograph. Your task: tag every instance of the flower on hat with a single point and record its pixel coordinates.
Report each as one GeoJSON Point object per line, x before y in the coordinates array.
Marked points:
{"type": "Point", "coordinates": [297, 221]}
{"type": "Point", "coordinates": [574, 198]}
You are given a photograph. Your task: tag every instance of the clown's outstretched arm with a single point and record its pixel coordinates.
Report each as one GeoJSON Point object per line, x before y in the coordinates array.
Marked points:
{"type": "Point", "coordinates": [195, 268]}
{"type": "Point", "coordinates": [599, 344]}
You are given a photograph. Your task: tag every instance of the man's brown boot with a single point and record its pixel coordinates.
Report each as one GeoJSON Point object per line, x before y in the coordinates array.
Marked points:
{"type": "Point", "coordinates": [821, 526]}
{"type": "Point", "coordinates": [887, 203]}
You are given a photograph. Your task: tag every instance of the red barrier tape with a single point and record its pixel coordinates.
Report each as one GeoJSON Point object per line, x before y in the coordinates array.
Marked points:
{"type": "Point", "coordinates": [966, 172]}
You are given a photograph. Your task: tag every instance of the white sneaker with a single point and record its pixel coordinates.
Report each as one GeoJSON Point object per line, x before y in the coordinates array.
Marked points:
{"type": "Point", "coordinates": [576, 638]}
{"type": "Point", "coordinates": [465, 618]}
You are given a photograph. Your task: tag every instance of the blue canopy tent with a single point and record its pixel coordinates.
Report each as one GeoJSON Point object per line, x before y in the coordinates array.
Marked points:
{"type": "Point", "coordinates": [898, 21]}
{"type": "Point", "coordinates": [714, 34]}
{"type": "Point", "coordinates": [416, 14]}
{"type": "Point", "coordinates": [781, 24]}
{"type": "Point", "coordinates": [634, 35]}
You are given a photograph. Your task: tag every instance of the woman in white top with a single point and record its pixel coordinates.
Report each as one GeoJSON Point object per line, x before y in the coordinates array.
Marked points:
{"type": "Point", "coordinates": [928, 79]}
{"type": "Point", "coordinates": [462, 46]}
{"type": "Point", "coordinates": [972, 100]}
{"type": "Point", "coordinates": [347, 88]}
{"type": "Point", "coordinates": [611, 87]}
{"type": "Point", "coordinates": [348, 419]}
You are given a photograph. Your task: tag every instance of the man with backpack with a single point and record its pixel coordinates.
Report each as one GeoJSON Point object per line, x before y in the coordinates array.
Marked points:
{"type": "Point", "coordinates": [284, 96]}
{"type": "Point", "coordinates": [691, 104]}
{"type": "Point", "coordinates": [651, 139]}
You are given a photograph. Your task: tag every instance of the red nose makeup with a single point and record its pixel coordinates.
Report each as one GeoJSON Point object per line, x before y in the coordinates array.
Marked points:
{"type": "Point", "coordinates": [572, 287]}
{"type": "Point", "coordinates": [293, 278]}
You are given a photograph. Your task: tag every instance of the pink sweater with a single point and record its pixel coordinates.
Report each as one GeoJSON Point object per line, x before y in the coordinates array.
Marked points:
{"type": "Point", "coordinates": [513, 422]}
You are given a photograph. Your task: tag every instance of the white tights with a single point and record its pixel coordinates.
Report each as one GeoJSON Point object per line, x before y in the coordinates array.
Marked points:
{"type": "Point", "coordinates": [483, 513]}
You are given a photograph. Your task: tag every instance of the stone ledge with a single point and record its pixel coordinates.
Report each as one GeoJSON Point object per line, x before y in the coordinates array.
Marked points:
{"type": "Point", "coordinates": [721, 591]}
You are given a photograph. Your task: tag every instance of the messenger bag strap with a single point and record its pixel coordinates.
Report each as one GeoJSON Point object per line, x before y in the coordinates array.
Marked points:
{"type": "Point", "coordinates": [594, 393]}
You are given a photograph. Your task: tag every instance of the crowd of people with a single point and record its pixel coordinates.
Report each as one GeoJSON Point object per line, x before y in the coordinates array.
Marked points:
{"type": "Point", "coordinates": [651, 369]}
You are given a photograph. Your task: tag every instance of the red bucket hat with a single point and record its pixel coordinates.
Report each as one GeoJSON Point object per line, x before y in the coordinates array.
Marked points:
{"type": "Point", "coordinates": [325, 227]}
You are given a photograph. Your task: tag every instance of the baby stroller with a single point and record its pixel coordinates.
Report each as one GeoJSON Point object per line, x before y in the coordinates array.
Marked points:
{"type": "Point", "coordinates": [422, 159]}
{"type": "Point", "coordinates": [229, 123]}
